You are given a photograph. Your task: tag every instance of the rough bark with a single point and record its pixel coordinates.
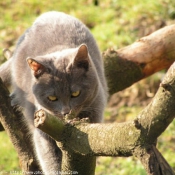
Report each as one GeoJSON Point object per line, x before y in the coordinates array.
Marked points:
{"type": "Point", "coordinates": [75, 163]}
{"type": "Point", "coordinates": [15, 128]}
{"type": "Point", "coordinates": [152, 160]}
{"type": "Point", "coordinates": [143, 58]}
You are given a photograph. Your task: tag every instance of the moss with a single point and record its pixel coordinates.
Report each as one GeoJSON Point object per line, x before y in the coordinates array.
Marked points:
{"type": "Point", "coordinates": [124, 71]}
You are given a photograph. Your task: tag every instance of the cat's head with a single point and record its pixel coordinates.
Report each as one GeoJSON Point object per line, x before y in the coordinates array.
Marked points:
{"type": "Point", "coordinates": [64, 81]}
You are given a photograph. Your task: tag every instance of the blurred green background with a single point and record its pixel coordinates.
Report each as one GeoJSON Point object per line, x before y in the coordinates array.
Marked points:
{"type": "Point", "coordinates": [114, 24]}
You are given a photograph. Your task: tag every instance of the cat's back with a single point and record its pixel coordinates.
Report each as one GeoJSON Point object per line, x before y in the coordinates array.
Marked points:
{"type": "Point", "coordinates": [50, 32]}
{"type": "Point", "coordinates": [53, 31]}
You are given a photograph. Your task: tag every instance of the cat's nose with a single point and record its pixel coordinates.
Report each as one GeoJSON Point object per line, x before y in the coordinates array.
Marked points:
{"type": "Point", "coordinates": [65, 111]}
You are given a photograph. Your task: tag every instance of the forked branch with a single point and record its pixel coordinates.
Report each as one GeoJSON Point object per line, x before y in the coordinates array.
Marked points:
{"type": "Point", "coordinates": [139, 60]}
{"type": "Point", "coordinates": [136, 137]}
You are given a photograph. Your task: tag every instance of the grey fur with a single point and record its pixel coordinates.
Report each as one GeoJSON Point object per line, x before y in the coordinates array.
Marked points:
{"type": "Point", "coordinates": [5, 73]}
{"type": "Point", "coordinates": [57, 43]}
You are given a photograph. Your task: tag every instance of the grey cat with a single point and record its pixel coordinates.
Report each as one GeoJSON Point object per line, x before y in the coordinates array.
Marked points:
{"type": "Point", "coordinates": [56, 66]}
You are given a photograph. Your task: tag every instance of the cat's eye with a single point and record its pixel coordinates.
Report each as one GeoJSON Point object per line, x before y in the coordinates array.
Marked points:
{"type": "Point", "coordinates": [75, 94]}
{"type": "Point", "coordinates": [52, 98]}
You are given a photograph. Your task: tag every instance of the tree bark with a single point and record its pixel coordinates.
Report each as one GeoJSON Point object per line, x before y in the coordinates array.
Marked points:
{"type": "Point", "coordinates": [140, 59]}
{"type": "Point", "coordinates": [152, 160]}
{"type": "Point", "coordinates": [14, 125]}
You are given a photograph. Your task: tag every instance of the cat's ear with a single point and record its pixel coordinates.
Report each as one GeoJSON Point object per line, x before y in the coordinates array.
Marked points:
{"type": "Point", "coordinates": [81, 59]}
{"type": "Point", "coordinates": [7, 53]}
{"type": "Point", "coordinates": [38, 68]}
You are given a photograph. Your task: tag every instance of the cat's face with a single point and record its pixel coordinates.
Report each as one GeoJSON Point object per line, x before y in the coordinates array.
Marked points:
{"type": "Point", "coordinates": [64, 81]}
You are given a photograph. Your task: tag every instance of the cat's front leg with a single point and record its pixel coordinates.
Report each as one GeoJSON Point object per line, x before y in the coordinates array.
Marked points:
{"type": "Point", "coordinates": [49, 155]}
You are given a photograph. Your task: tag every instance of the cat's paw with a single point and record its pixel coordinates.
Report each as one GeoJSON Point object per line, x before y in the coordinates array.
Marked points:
{"type": "Point", "coordinates": [69, 117]}
{"type": "Point", "coordinates": [85, 120]}
{"type": "Point", "coordinates": [76, 121]}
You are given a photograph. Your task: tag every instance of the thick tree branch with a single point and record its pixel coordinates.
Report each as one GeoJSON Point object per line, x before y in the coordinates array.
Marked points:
{"type": "Point", "coordinates": [140, 59]}
{"type": "Point", "coordinates": [89, 139]}
{"type": "Point", "coordinates": [153, 161]}
{"type": "Point", "coordinates": [15, 127]}
{"type": "Point", "coordinates": [78, 163]}
{"type": "Point", "coordinates": [149, 125]}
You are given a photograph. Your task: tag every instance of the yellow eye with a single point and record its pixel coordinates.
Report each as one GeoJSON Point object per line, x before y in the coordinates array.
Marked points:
{"type": "Point", "coordinates": [52, 98]}
{"type": "Point", "coordinates": [75, 94]}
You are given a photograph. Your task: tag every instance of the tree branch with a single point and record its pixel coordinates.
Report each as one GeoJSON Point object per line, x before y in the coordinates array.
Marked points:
{"type": "Point", "coordinates": [146, 56]}
{"type": "Point", "coordinates": [149, 125]}
{"type": "Point", "coordinates": [15, 127]}
{"type": "Point", "coordinates": [153, 161]}
{"type": "Point", "coordinates": [122, 138]}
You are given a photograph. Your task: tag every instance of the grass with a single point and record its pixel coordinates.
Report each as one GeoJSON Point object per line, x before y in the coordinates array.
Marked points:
{"type": "Point", "coordinates": [114, 23]}
{"type": "Point", "coordinates": [9, 157]}
{"type": "Point", "coordinates": [118, 166]}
